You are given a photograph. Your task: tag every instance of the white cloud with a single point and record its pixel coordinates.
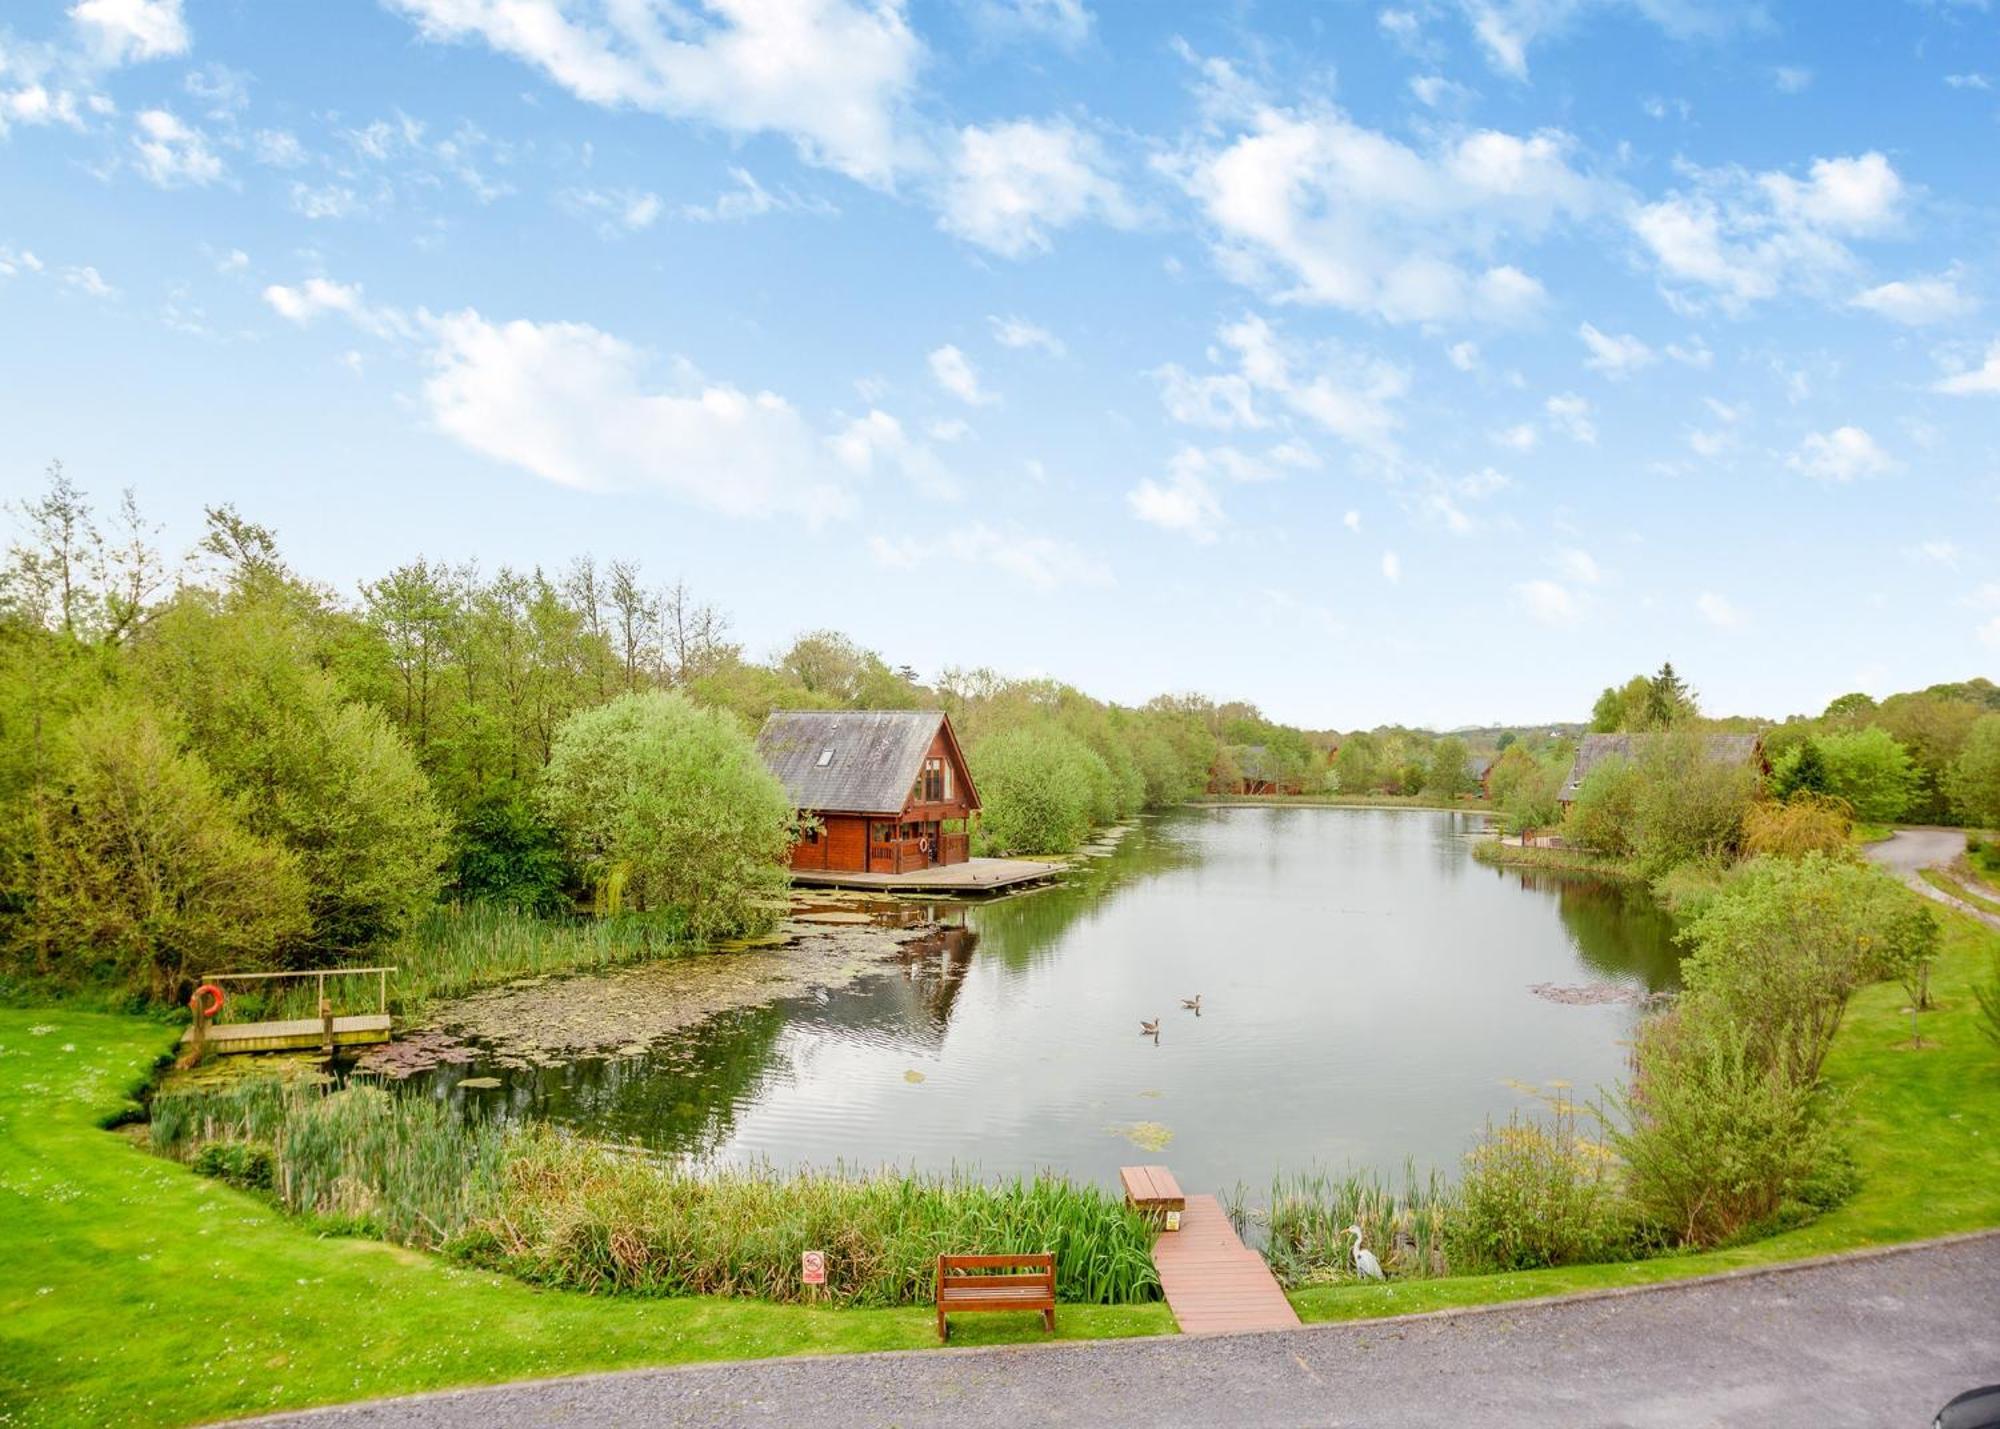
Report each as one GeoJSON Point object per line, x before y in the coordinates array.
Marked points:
{"type": "Point", "coordinates": [1063, 23]}
{"type": "Point", "coordinates": [324, 201]}
{"type": "Point", "coordinates": [1392, 567]}
{"type": "Point", "coordinates": [878, 440]}
{"type": "Point", "coordinates": [1917, 301]}
{"type": "Point", "coordinates": [953, 371]}
{"type": "Point", "coordinates": [1040, 561]}
{"type": "Point", "coordinates": [1184, 503]}
{"type": "Point", "coordinates": [950, 429]}
{"type": "Point", "coordinates": [750, 199]}
{"type": "Point", "coordinates": [1315, 208]}
{"type": "Point", "coordinates": [1968, 81]}
{"type": "Point", "coordinates": [1718, 611]}
{"type": "Point", "coordinates": [1982, 379]}
{"type": "Point", "coordinates": [1464, 356]}
{"type": "Point", "coordinates": [1520, 438]}
{"type": "Point", "coordinates": [15, 260]}
{"type": "Point", "coordinates": [1614, 356]}
{"type": "Point", "coordinates": [1352, 521]}
{"type": "Point", "coordinates": [1549, 602]}
{"type": "Point", "coordinates": [1841, 455]}
{"type": "Point", "coordinates": [122, 31]}
{"type": "Point", "coordinates": [1351, 394]}
{"type": "Point", "coordinates": [1579, 566]}
{"type": "Point", "coordinates": [316, 297]}
{"type": "Point", "coordinates": [1792, 79]}
{"type": "Point", "coordinates": [1011, 184]}
{"type": "Point", "coordinates": [278, 148]}
{"type": "Point", "coordinates": [1019, 332]}
{"type": "Point", "coordinates": [833, 75]}
{"type": "Point", "coordinates": [88, 281]}
{"type": "Point", "coordinates": [617, 211]}
{"type": "Point", "coordinates": [573, 405]}
{"type": "Point", "coordinates": [1507, 29]}
{"type": "Point", "coordinates": [1939, 553]}
{"type": "Point", "coordinates": [1741, 237]}
{"type": "Point", "coordinates": [1570, 414]}
{"type": "Point", "coordinates": [173, 153]}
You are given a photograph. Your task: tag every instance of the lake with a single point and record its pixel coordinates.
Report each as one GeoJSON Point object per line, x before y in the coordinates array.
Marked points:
{"type": "Point", "coordinates": [1367, 998]}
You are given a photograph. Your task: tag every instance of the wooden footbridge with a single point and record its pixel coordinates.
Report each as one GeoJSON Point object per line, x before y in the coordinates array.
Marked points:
{"type": "Point", "coordinates": [324, 1031]}
{"type": "Point", "coordinates": [1213, 1282]}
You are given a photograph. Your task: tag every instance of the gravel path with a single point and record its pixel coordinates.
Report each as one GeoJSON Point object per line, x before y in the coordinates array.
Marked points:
{"type": "Point", "coordinates": [1874, 1340]}
{"type": "Point", "coordinates": [1907, 852]}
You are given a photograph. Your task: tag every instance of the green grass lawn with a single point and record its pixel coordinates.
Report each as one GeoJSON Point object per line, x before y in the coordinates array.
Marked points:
{"type": "Point", "coordinates": [1944, 882]}
{"type": "Point", "coordinates": [133, 1291]}
{"type": "Point", "coordinates": [1926, 1136]}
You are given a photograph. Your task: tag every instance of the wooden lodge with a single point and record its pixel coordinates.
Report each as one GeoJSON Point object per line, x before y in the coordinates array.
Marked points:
{"type": "Point", "coordinates": [1595, 749]}
{"type": "Point", "coordinates": [888, 789]}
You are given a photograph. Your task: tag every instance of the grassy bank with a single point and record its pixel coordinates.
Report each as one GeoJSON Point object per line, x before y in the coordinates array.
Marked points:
{"type": "Point", "coordinates": [134, 1291]}
{"type": "Point", "coordinates": [1946, 883]}
{"type": "Point", "coordinates": [1922, 1131]}
{"type": "Point", "coordinates": [1501, 854]}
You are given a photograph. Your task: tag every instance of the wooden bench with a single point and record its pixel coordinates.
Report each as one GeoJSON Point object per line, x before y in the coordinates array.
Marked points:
{"type": "Point", "coordinates": [1009, 1282]}
{"type": "Point", "coordinates": [1153, 1190]}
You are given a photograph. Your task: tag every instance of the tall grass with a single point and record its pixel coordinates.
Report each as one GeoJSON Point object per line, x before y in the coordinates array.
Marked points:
{"type": "Point", "coordinates": [556, 1210]}
{"type": "Point", "coordinates": [405, 1169]}
{"type": "Point", "coordinates": [458, 947]}
{"type": "Point", "coordinates": [589, 1217]}
{"type": "Point", "coordinates": [1304, 1225]}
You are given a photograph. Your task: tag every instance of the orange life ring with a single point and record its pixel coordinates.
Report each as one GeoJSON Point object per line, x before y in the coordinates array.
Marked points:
{"type": "Point", "coordinates": [213, 1007]}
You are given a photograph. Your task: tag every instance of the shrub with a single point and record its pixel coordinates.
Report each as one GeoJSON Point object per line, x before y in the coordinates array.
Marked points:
{"type": "Point", "coordinates": [664, 805]}
{"type": "Point", "coordinates": [1871, 771]}
{"type": "Point", "coordinates": [1779, 950]}
{"type": "Point", "coordinates": [1602, 816]}
{"type": "Point", "coordinates": [1538, 1194]}
{"type": "Point", "coordinates": [1974, 780]}
{"type": "Point", "coordinates": [1802, 824]}
{"type": "Point", "coordinates": [328, 779]}
{"type": "Point", "coordinates": [1040, 788]}
{"type": "Point", "coordinates": [1688, 806]}
{"type": "Point", "coordinates": [1720, 1135]}
{"type": "Point", "coordinates": [144, 874]}
{"type": "Point", "coordinates": [241, 1163]}
{"type": "Point", "coordinates": [510, 856]}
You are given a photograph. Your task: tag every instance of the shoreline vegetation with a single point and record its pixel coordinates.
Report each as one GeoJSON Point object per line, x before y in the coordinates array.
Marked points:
{"type": "Point", "coordinates": [81, 1280]}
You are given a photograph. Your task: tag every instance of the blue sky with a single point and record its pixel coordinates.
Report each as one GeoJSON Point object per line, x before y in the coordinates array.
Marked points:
{"type": "Point", "coordinates": [1437, 360]}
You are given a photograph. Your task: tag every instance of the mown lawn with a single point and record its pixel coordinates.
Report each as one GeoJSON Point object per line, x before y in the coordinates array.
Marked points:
{"type": "Point", "coordinates": [135, 1292]}
{"type": "Point", "coordinates": [1926, 1135]}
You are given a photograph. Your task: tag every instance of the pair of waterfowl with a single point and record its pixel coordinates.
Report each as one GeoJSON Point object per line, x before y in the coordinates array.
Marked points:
{"type": "Point", "coordinates": [1152, 1029]}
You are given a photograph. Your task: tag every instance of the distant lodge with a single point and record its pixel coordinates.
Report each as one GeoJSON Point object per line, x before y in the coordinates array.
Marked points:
{"type": "Point", "coordinates": [888, 790]}
{"type": "Point", "coordinates": [1728, 750]}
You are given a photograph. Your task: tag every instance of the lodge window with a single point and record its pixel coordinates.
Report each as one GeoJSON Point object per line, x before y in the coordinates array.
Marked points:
{"type": "Point", "coordinates": [933, 785]}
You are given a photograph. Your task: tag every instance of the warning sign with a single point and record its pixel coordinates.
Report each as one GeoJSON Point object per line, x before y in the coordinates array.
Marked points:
{"type": "Point", "coordinates": [812, 1267]}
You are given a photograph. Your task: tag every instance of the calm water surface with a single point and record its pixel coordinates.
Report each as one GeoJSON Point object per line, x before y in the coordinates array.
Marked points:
{"type": "Point", "coordinates": [1365, 999]}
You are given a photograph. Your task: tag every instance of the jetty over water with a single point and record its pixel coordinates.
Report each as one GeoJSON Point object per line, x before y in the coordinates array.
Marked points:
{"type": "Point", "coordinates": [1214, 1284]}
{"type": "Point", "coordinates": [976, 875]}
{"type": "Point", "coordinates": [324, 1032]}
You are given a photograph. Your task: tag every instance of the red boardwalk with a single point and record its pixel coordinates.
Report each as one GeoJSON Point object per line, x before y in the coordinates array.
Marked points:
{"type": "Point", "coordinates": [1214, 1283]}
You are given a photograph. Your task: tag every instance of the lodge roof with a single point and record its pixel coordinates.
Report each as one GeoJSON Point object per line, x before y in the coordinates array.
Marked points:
{"type": "Point", "coordinates": [1594, 749]}
{"type": "Point", "coordinates": [852, 761]}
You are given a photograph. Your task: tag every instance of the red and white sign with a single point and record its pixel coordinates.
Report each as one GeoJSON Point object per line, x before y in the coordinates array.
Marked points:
{"type": "Point", "coordinates": [812, 1267]}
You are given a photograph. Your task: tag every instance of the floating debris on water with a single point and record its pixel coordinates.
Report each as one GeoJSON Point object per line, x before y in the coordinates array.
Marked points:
{"type": "Point", "coordinates": [1594, 994]}
{"type": "Point", "coordinates": [414, 1052]}
{"type": "Point", "coordinates": [913, 1076]}
{"type": "Point", "coordinates": [1147, 1135]}
{"type": "Point", "coordinates": [480, 1083]}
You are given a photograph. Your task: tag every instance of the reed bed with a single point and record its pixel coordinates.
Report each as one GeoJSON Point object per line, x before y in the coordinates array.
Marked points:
{"type": "Point", "coordinates": [559, 1211]}
{"type": "Point", "coordinates": [407, 1170]}
{"type": "Point", "coordinates": [594, 1218]}
{"type": "Point", "coordinates": [1303, 1226]}
{"type": "Point", "coordinates": [458, 947]}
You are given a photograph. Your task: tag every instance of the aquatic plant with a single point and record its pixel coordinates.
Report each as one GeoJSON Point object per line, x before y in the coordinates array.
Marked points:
{"type": "Point", "coordinates": [586, 1216]}
{"type": "Point", "coordinates": [1303, 1225]}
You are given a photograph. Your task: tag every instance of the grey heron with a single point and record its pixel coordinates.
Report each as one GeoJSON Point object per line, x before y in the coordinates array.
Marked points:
{"type": "Point", "coordinates": [1365, 1262]}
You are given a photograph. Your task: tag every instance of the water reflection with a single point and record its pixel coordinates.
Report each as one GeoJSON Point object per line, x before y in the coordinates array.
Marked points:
{"type": "Point", "coordinates": [1365, 999]}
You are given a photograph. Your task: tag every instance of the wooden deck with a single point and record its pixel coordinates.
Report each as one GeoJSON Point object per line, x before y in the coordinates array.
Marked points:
{"type": "Point", "coordinates": [1214, 1283]}
{"type": "Point", "coordinates": [300, 1034]}
{"type": "Point", "coordinates": [979, 875]}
